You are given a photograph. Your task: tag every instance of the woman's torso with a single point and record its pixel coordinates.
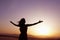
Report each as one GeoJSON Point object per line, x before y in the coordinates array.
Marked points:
{"type": "Point", "coordinates": [23, 29]}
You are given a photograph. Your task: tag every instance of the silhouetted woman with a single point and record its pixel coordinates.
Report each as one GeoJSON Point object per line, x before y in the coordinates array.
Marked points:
{"type": "Point", "coordinates": [23, 28]}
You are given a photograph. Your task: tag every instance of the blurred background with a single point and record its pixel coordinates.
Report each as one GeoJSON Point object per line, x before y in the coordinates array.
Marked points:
{"type": "Point", "coordinates": [32, 10]}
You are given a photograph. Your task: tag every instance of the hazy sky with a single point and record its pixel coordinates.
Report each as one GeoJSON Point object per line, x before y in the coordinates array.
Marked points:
{"type": "Point", "coordinates": [33, 11]}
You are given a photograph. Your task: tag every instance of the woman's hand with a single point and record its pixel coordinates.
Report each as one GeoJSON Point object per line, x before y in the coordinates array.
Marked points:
{"type": "Point", "coordinates": [11, 22]}
{"type": "Point", "coordinates": [40, 21]}
{"type": "Point", "coordinates": [14, 23]}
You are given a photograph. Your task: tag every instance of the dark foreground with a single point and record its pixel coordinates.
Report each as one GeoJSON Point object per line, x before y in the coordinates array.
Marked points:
{"type": "Point", "coordinates": [6, 37]}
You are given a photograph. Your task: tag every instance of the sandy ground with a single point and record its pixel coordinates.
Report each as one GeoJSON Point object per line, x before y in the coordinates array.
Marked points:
{"type": "Point", "coordinates": [8, 38]}
{"type": "Point", "coordinates": [15, 37]}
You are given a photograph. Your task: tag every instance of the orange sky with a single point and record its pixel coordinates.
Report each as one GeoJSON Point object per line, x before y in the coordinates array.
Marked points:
{"type": "Point", "coordinates": [33, 11]}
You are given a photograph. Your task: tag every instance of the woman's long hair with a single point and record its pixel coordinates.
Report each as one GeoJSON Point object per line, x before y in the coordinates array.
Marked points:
{"type": "Point", "coordinates": [22, 22]}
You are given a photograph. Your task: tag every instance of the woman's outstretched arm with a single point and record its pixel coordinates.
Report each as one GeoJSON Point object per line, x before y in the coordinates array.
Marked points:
{"type": "Point", "coordinates": [14, 23]}
{"type": "Point", "coordinates": [34, 23]}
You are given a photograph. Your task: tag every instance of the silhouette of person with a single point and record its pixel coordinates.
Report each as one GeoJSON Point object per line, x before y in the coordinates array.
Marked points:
{"type": "Point", "coordinates": [23, 28]}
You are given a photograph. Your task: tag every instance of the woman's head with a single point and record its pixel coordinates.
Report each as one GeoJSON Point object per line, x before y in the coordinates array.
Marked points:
{"type": "Point", "coordinates": [22, 21]}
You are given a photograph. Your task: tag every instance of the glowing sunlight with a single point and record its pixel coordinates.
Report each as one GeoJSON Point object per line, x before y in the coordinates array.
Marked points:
{"type": "Point", "coordinates": [41, 29]}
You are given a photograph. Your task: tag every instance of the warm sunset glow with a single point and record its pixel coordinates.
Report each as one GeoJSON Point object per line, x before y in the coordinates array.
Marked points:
{"type": "Point", "coordinates": [41, 29]}
{"type": "Point", "coordinates": [33, 11]}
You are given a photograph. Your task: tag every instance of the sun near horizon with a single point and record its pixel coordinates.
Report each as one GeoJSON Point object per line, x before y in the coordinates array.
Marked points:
{"type": "Point", "coordinates": [32, 10]}
{"type": "Point", "coordinates": [44, 30]}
